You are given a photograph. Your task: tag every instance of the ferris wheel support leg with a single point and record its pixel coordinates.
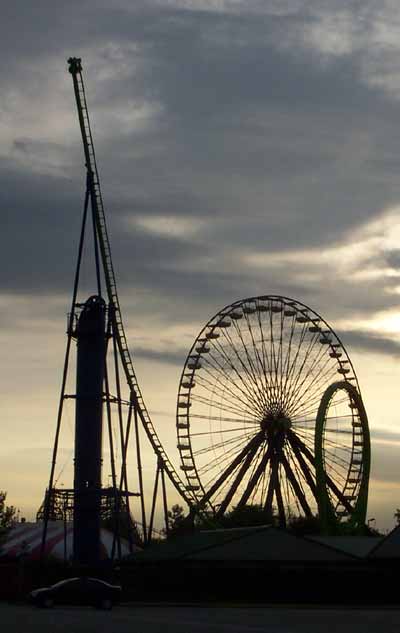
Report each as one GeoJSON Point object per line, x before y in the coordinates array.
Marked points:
{"type": "Point", "coordinates": [279, 500]}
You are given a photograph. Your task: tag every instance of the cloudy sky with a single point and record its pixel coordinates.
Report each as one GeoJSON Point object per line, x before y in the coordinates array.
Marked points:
{"type": "Point", "coordinates": [244, 148]}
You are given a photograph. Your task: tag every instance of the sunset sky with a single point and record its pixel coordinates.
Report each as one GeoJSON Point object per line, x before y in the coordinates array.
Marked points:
{"type": "Point", "coordinates": [244, 148]}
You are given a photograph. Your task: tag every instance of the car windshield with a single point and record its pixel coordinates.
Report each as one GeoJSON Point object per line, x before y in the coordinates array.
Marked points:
{"type": "Point", "coordinates": [64, 582]}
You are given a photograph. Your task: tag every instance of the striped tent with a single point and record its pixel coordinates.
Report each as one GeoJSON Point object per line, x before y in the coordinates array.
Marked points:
{"type": "Point", "coordinates": [25, 539]}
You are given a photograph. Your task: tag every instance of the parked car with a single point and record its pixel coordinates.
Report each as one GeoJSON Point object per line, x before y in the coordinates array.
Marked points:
{"type": "Point", "coordinates": [88, 591]}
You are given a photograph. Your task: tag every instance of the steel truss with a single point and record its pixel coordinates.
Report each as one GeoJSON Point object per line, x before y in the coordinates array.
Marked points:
{"type": "Point", "coordinates": [131, 411]}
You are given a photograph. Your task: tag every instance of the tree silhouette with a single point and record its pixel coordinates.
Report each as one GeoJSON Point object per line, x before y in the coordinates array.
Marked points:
{"type": "Point", "coordinates": [7, 515]}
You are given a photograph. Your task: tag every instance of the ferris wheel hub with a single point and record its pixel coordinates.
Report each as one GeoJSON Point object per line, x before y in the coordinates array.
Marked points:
{"type": "Point", "coordinates": [274, 423]}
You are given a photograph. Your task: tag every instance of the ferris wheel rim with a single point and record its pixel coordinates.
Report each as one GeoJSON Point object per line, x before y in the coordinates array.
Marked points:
{"type": "Point", "coordinates": [183, 424]}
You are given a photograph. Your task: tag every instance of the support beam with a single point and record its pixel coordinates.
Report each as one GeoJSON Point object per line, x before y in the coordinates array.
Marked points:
{"type": "Point", "coordinates": [256, 476]}
{"type": "Point", "coordinates": [229, 470]}
{"type": "Point", "coordinates": [295, 485]}
{"type": "Point", "coordinates": [239, 478]}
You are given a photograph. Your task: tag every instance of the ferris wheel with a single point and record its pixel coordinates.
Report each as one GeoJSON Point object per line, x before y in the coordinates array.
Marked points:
{"type": "Point", "coordinates": [269, 412]}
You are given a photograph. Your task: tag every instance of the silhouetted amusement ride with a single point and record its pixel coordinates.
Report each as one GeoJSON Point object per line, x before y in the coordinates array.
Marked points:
{"type": "Point", "coordinates": [270, 413]}
{"type": "Point", "coordinates": [102, 354]}
{"type": "Point", "coordinates": [269, 409]}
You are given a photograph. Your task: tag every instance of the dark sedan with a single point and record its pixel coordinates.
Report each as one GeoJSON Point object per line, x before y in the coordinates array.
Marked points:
{"type": "Point", "coordinates": [80, 591]}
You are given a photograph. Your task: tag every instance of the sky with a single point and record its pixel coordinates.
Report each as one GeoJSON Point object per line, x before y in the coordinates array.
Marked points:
{"type": "Point", "coordinates": [244, 148]}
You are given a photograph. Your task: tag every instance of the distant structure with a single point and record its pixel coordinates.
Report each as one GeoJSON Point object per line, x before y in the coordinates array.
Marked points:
{"type": "Point", "coordinates": [270, 413]}
{"type": "Point", "coordinates": [103, 358]}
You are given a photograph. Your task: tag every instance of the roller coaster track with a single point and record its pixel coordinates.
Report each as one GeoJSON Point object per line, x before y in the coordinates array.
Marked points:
{"type": "Point", "coordinates": [75, 68]}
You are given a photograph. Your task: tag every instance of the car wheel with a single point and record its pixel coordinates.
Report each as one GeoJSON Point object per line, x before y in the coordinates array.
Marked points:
{"type": "Point", "coordinates": [48, 603]}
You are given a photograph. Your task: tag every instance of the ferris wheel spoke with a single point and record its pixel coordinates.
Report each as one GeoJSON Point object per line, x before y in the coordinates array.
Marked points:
{"type": "Point", "coordinates": [239, 478]}
{"type": "Point", "coordinates": [338, 477]}
{"type": "Point", "coordinates": [310, 388]}
{"type": "Point", "coordinates": [304, 379]}
{"type": "Point", "coordinates": [251, 380]}
{"type": "Point", "coordinates": [304, 436]}
{"type": "Point", "coordinates": [252, 394]}
{"type": "Point", "coordinates": [300, 380]}
{"type": "Point", "coordinates": [224, 361]}
{"type": "Point", "coordinates": [298, 492]}
{"type": "Point", "coordinates": [307, 352]}
{"type": "Point", "coordinates": [215, 465]}
{"type": "Point", "coordinates": [247, 389]}
{"type": "Point", "coordinates": [273, 361]}
{"type": "Point", "coordinates": [240, 397]}
{"type": "Point", "coordinates": [288, 354]}
{"type": "Point", "coordinates": [220, 419]}
{"type": "Point", "coordinates": [277, 353]}
{"type": "Point", "coordinates": [214, 386]}
{"type": "Point", "coordinates": [222, 444]}
{"type": "Point", "coordinates": [263, 356]}
{"type": "Point", "coordinates": [331, 453]}
{"type": "Point", "coordinates": [225, 407]}
{"type": "Point", "coordinates": [280, 357]}
{"type": "Point", "coordinates": [334, 444]}
{"type": "Point", "coordinates": [293, 366]}
{"type": "Point", "coordinates": [332, 464]}
{"type": "Point", "coordinates": [255, 363]}
{"type": "Point", "coordinates": [219, 431]}
{"type": "Point", "coordinates": [256, 440]}
{"type": "Point", "coordinates": [342, 419]}
{"type": "Point", "coordinates": [257, 375]}
{"type": "Point", "coordinates": [260, 363]}
{"type": "Point", "coordinates": [310, 393]}
{"type": "Point", "coordinates": [307, 412]}
{"type": "Point", "coordinates": [254, 478]}
{"type": "Point", "coordinates": [248, 369]}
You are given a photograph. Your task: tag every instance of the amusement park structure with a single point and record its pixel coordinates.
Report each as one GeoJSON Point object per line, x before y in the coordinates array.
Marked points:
{"type": "Point", "coordinates": [270, 413]}
{"type": "Point", "coordinates": [269, 408]}
{"type": "Point", "coordinates": [97, 326]}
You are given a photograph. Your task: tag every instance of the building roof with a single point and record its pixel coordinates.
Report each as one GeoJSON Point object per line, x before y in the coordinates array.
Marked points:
{"type": "Point", "coordinates": [244, 544]}
{"type": "Point", "coordinates": [359, 546]}
{"type": "Point", "coordinates": [389, 547]}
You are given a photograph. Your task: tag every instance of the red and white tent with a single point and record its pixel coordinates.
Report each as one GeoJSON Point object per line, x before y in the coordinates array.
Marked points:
{"type": "Point", "coordinates": [25, 539]}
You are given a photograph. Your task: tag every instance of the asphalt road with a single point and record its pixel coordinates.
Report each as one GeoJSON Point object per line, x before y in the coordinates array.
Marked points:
{"type": "Point", "coordinates": [194, 619]}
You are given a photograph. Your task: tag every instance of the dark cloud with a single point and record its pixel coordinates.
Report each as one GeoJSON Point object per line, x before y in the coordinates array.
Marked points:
{"type": "Point", "coordinates": [393, 258]}
{"type": "Point", "coordinates": [231, 117]}
{"type": "Point", "coordinates": [369, 342]}
{"type": "Point", "coordinates": [385, 435]}
{"type": "Point", "coordinates": [175, 357]}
